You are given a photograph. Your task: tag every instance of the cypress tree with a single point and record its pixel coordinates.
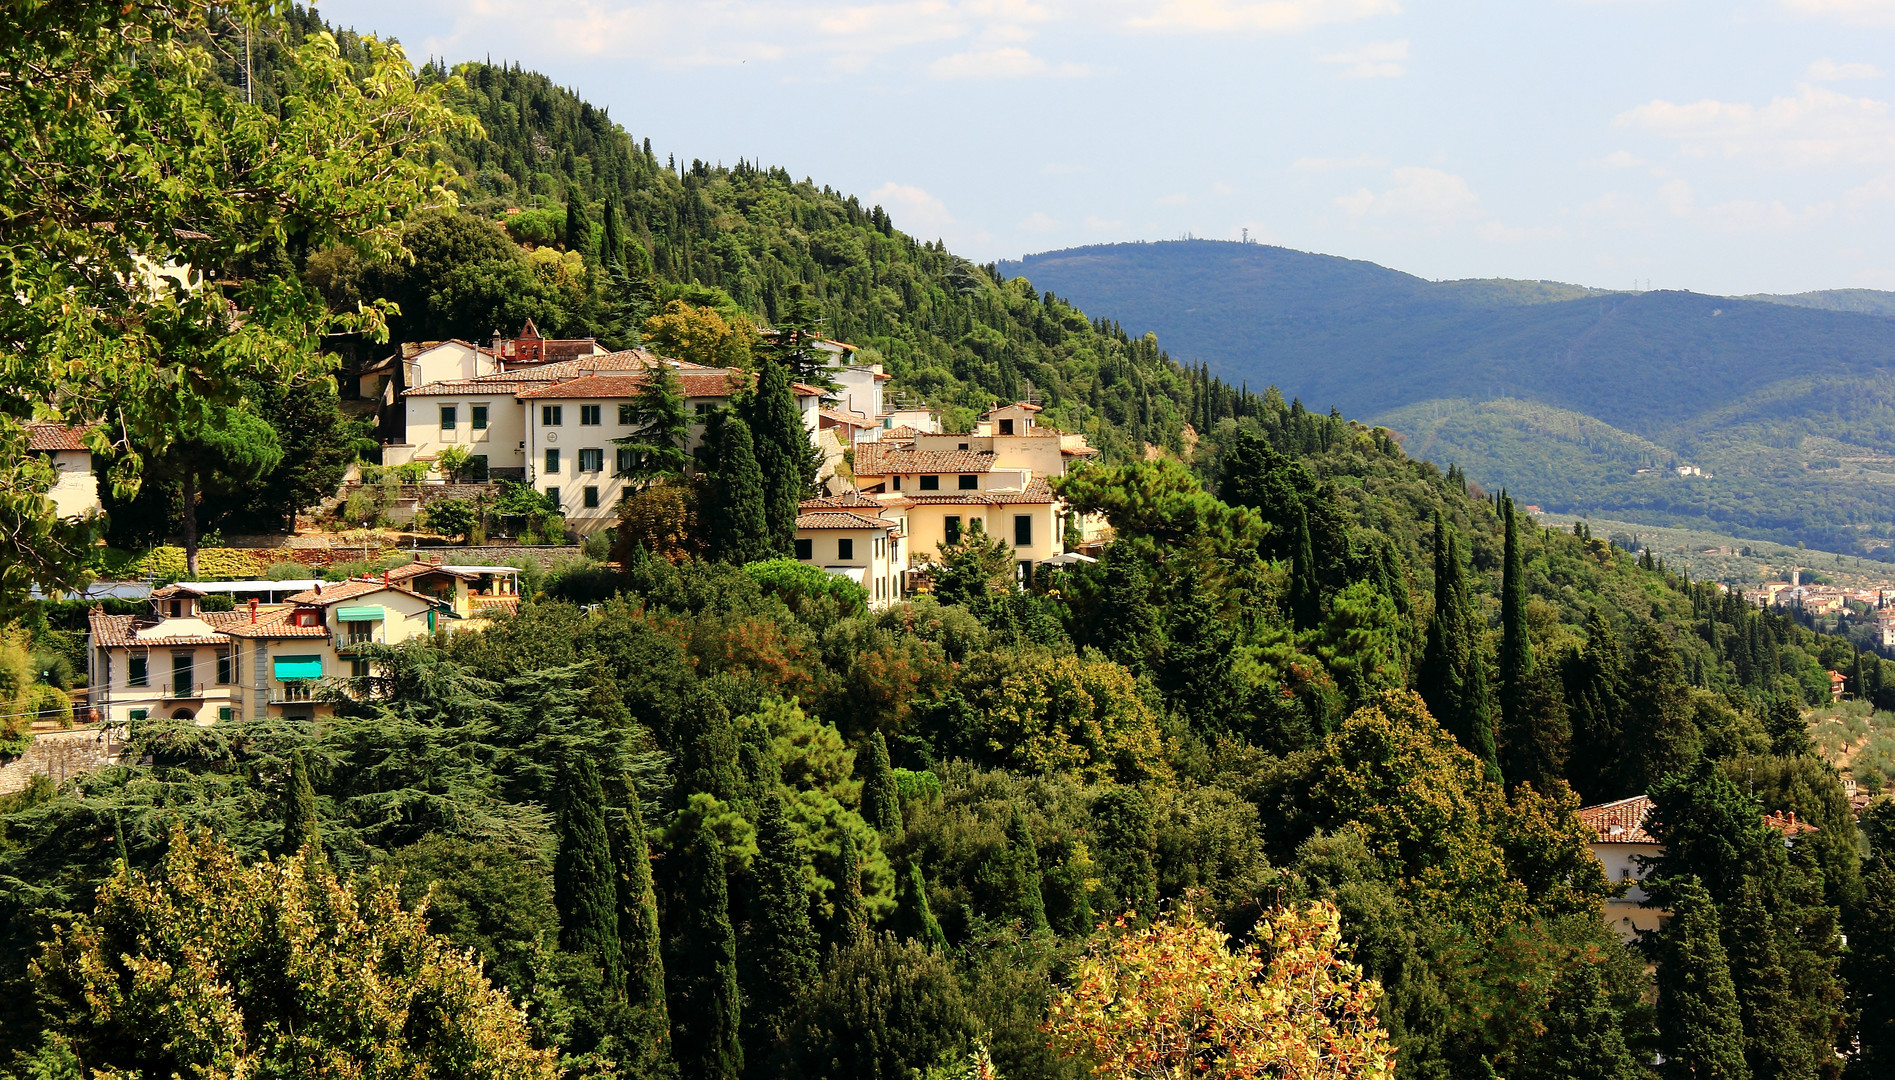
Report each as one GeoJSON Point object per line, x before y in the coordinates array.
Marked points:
{"type": "Point", "coordinates": [1306, 604]}
{"type": "Point", "coordinates": [1595, 685]}
{"type": "Point", "coordinates": [641, 958]}
{"type": "Point", "coordinates": [584, 889]}
{"type": "Point", "coordinates": [1871, 957]}
{"type": "Point", "coordinates": [852, 916]}
{"type": "Point", "coordinates": [1660, 732]}
{"type": "Point", "coordinates": [705, 1009]}
{"type": "Point", "coordinates": [1516, 650]}
{"type": "Point", "coordinates": [780, 948]}
{"type": "Point", "coordinates": [578, 229]}
{"type": "Point", "coordinates": [1584, 1039]}
{"type": "Point", "coordinates": [735, 527]}
{"type": "Point", "coordinates": [1011, 879]}
{"type": "Point", "coordinates": [611, 244]}
{"type": "Point", "coordinates": [1453, 674]}
{"type": "Point", "coordinates": [1128, 845]}
{"type": "Point", "coordinates": [881, 801]}
{"type": "Point", "coordinates": [708, 745]}
{"type": "Point", "coordinates": [1700, 1024]}
{"type": "Point", "coordinates": [913, 917]}
{"type": "Point", "coordinates": [784, 454]}
{"type": "Point", "coordinates": [301, 827]}
{"type": "Point", "coordinates": [1773, 1046]}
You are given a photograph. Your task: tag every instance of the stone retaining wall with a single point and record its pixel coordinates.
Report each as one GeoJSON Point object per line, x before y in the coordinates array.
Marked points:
{"type": "Point", "coordinates": [62, 754]}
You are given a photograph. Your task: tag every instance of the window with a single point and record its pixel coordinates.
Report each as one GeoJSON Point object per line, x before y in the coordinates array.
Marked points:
{"type": "Point", "coordinates": [625, 413]}
{"type": "Point", "coordinates": [1023, 530]}
{"type": "Point", "coordinates": [139, 714]}
{"type": "Point", "coordinates": [963, 446]}
{"type": "Point", "coordinates": [135, 673]}
{"type": "Point", "coordinates": [627, 460]}
{"type": "Point", "coordinates": [591, 459]}
{"type": "Point", "coordinates": [477, 415]}
{"type": "Point", "coordinates": [224, 712]}
{"type": "Point", "coordinates": [226, 669]}
{"type": "Point", "coordinates": [953, 524]}
{"type": "Point", "coordinates": [970, 483]}
{"type": "Point", "coordinates": [552, 496]}
{"type": "Point", "coordinates": [931, 483]}
{"type": "Point", "coordinates": [307, 617]}
{"type": "Point", "coordinates": [702, 408]}
{"type": "Point", "coordinates": [1006, 427]}
{"type": "Point", "coordinates": [448, 418]}
{"type": "Point", "coordinates": [358, 669]}
{"type": "Point", "coordinates": [552, 461]}
{"type": "Point", "coordinates": [590, 498]}
{"type": "Point", "coordinates": [589, 415]}
{"type": "Point", "coordinates": [806, 550]}
{"type": "Point", "coordinates": [845, 549]}
{"type": "Point", "coordinates": [552, 415]}
{"type": "Point", "coordinates": [898, 483]}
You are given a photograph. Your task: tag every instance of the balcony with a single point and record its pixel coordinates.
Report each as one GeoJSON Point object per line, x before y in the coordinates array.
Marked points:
{"type": "Point", "coordinates": [181, 691]}
{"type": "Point", "coordinates": [348, 643]}
{"type": "Point", "coordinates": [300, 691]}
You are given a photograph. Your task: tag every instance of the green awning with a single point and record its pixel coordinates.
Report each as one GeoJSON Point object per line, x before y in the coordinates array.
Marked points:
{"type": "Point", "coordinates": [298, 667]}
{"type": "Point", "coordinates": [360, 614]}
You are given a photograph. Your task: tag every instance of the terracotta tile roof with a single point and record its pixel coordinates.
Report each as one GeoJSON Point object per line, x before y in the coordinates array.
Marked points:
{"type": "Point", "coordinates": [623, 360]}
{"type": "Point", "coordinates": [710, 384]}
{"type": "Point", "coordinates": [48, 438]}
{"type": "Point", "coordinates": [273, 624]}
{"type": "Point", "coordinates": [1037, 492]}
{"type": "Point", "coordinates": [840, 519]}
{"type": "Point", "coordinates": [123, 630]}
{"type": "Point", "coordinates": [349, 590]}
{"type": "Point", "coordinates": [839, 417]}
{"type": "Point", "coordinates": [1788, 825]}
{"type": "Point", "coordinates": [846, 499]}
{"type": "Point", "coordinates": [486, 384]}
{"type": "Point", "coordinates": [904, 433]}
{"type": "Point", "coordinates": [178, 589]}
{"type": "Point", "coordinates": [420, 569]}
{"type": "Point", "coordinates": [503, 603]}
{"type": "Point", "coordinates": [1027, 405]}
{"type": "Point", "coordinates": [1621, 822]}
{"type": "Point", "coordinates": [877, 459]}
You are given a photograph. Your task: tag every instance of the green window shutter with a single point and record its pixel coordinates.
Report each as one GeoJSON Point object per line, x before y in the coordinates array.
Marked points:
{"type": "Point", "coordinates": [368, 613]}
{"type": "Point", "coordinates": [297, 667]}
{"type": "Point", "coordinates": [430, 620]}
{"type": "Point", "coordinates": [223, 712]}
{"type": "Point", "coordinates": [139, 714]}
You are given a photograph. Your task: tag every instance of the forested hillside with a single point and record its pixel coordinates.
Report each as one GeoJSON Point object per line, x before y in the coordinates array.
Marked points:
{"type": "Point", "coordinates": [1786, 400]}
{"type": "Point", "coordinates": [1285, 784]}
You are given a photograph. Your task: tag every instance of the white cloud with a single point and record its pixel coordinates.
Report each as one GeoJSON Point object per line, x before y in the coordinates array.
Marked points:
{"type": "Point", "coordinates": [1011, 62]}
{"type": "Point", "coordinates": [1269, 17]}
{"type": "Point", "coordinates": [915, 212]}
{"type": "Point", "coordinates": [1818, 126]}
{"type": "Point", "coordinates": [1178, 198]}
{"type": "Point", "coordinates": [1221, 188]}
{"type": "Point", "coordinates": [1375, 60]}
{"type": "Point", "coordinates": [1855, 12]}
{"type": "Point", "coordinates": [1039, 221]}
{"type": "Point", "coordinates": [1620, 159]}
{"type": "Point", "coordinates": [1827, 70]}
{"type": "Point", "coordinates": [1500, 233]}
{"type": "Point", "coordinates": [1319, 164]}
{"type": "Point", "coordinates": [1419, 195]}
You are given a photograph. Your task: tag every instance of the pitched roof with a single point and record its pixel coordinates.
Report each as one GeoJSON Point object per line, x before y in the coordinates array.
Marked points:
{"type": "Point", "coordinates": [126, 630]}
{"type": "Point", "coordinates": [47, 438]}
{"type": "Point", "coordinates": [177, 589]}
{"type": "Point", "coordinates": [1621, 822]}
{"type": "Point", "coordinates": [845, 499]}
{"type": "Point", "coordinates": [1027, 405]}
{"type": "Point", "coordinates": [693, 384]}
{"type": "Point", "coordinates": [273, 624]}
{"type": "Point", "coordinates": [903, 433]}
{"type": "Point", "coordinates": [877, 459]}
{"type": "Point", "coordinates": [840, 519]}
{"type": "Point", "coordinates": [837, 416]}
{"type": "Point", "coordinates": [1787, 824]}
{"type": "Point", "coordinates": [1036, 492]}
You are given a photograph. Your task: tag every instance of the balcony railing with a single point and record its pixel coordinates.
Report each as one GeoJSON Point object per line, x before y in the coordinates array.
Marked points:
{"type": "Point", "coordinates": [182, 691]}
{"type": "Point", "coordinates": [348, 643]}
{"type": "Point", "coordinates": [295, 691]}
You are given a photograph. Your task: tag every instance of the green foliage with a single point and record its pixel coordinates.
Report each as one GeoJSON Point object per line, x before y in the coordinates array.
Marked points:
{"type": "Point", "coordinates": [806, 589]}
{"type": "Point", "coordinates": [584, 883]}
{"type": "Point", "coordinates": [702, 968]}
{"type": "Point", "coordinates": [733, 500]}
{"type": "Point", "coordinates": [1698, 1016]}
{"type": "Point", "coordinates": [301, 827]}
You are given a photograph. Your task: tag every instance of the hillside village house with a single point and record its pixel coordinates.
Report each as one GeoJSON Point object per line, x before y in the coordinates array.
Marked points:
{"type": "Point", "coordinates": [857, 537]}
{"type": "Point", "coordinates": [423, 362]}
{"type": "Point", "coordinates": [182, 662]}
{"type": "Point", "coordinates": [1620, 842]}
{"type": "Point", "coordinates": [76, 492]}
{"type": "Point", "coordinates": [553, 425]}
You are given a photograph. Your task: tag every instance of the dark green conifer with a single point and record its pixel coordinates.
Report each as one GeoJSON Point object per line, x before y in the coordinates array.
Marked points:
{"type": "Point", "coordinates": [1870, 961]}
{"type": "Point", "coordinates": [881, 800]}
{"type": "Point", "coordinates": [611, 244]}
{"type": "Point", "coordinates": [1773, 1045]}
{"type": "Point", "coordinates": [1306, 603]}
{"type": "Point", "coordinates": [1700, 1023]}
{"type": "Point", "coordinates": [1011, 879]}
{"type": "Point", "coordinates": [735, 525]}
{"type": "Point", "coordinates": [780, 949]}
{"type": "Point", "coordinates": [784, 454]}
{"type": "Point", "coordinates": [914, 919]}
{"type": "Point", "coordinates": [301, 826]}
{"type": "Point", "coordinates": [584, 886]}
{"type": "Point", "coordinates": [852, 915]}
{"type": "Point", "coordinates": [578, 230]}
{"type": "Point", "coordinates": [1595, 687]}
{"type": "Point", "coordinates": [1584, 1038]}
{"type": "Point", "coordinates": [1516, 648]}
{"type": "Point", "coordinates": [708, 750]}
{"type": "Point", "coordinates": [1127, 850]}
{"type": "Point", "coordinates": [641, 957]}
{"type": "Point", "coordinates": [1453, 675]}
{"type": "Point", "coordinates": [705, 1004]}
{"type": "Point", "coordinates": [1658, 714]}
{"type": "Point", "coordinates": [660, 429]}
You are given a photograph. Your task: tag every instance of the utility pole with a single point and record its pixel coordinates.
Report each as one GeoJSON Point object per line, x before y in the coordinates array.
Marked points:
{"type": "Point", "coordinates": [249, 93]}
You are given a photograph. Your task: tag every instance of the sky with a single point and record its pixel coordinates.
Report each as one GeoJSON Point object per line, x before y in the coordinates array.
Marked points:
{"type": "Point", "coordinates": [1668, 144]}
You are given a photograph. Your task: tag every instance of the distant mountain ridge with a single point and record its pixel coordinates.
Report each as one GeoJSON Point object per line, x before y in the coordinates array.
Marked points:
{"type": "Point", "coordinates": [1789, 401]}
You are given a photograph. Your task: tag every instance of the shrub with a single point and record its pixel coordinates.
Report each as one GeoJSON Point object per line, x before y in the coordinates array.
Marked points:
{"type": "Point", "coordinates": [451, 517]}
{"type": "Point", "coordinates": [801, 586]}
{"type": "Point", "coordinates": [454, 462]}
{"type": "Point", "coordinates": [286, 570]}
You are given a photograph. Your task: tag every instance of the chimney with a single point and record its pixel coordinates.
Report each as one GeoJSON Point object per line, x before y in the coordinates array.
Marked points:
{"type": "Point", "coordinates": [253, 611]}
{"type": "Point", "coordinates": [384, 579]}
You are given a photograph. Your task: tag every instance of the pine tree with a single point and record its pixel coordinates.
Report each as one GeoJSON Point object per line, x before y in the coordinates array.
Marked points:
{"type": "Point", "coordinates": [1011, 879]}
{"type": "Point", "coordinates": [1871, 956]}
{"type": "Point", "coordinates": [1658, 715]}
{"type": "Point", "coordinates": [881, 800]}
{"type": "Point", "coordinates": [641, 959]}
{"type": "Point", "coordinates": [705, 1008]}
{"type": "Point", "coordinates": [780, 950]}
{"type": "Point", "coordinates": [1584, 1039]}
{"type": "Point", "coordinates": [660, 428]}
{"type": "Point", "coordinates": [1306, 603]}
{"type": "Point", "coordinates": [1127, 850]}
{"type": "Point", "coordinates": [301, 827]}
{"type": "Point", "coordinates": [584, 889]}
{"type": "Point", "coordinates": [852, 915]}
{"type": "Point", "coordinates": [1595, 686]}
{"type": "Point", "coordinates": [735, 525]}
{"type": "Point", "coordinates": [913, 917]}
{"type": "Point", "coordinates": [784, 454]}
{"type": "Point", "coordinates": [1773, 1045]}
{"type": "Point", "coordinates": [1700, 1023]}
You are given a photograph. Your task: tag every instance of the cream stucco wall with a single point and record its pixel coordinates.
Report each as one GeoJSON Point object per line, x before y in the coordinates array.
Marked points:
{"type": "Point", "coordinates": [76, 492]}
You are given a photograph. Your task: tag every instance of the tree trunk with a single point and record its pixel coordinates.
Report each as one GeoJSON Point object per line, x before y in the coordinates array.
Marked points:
{"type": "Point", "coordinates": [190, 522]}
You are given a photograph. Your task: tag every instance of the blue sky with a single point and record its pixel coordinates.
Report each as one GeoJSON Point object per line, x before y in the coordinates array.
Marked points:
{"type": "Point", "coordinates": [1719, 147]}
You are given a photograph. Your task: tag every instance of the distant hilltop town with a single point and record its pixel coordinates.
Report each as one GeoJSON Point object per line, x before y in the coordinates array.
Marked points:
{"type": "Point", "coordinates": [1877, 599]}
